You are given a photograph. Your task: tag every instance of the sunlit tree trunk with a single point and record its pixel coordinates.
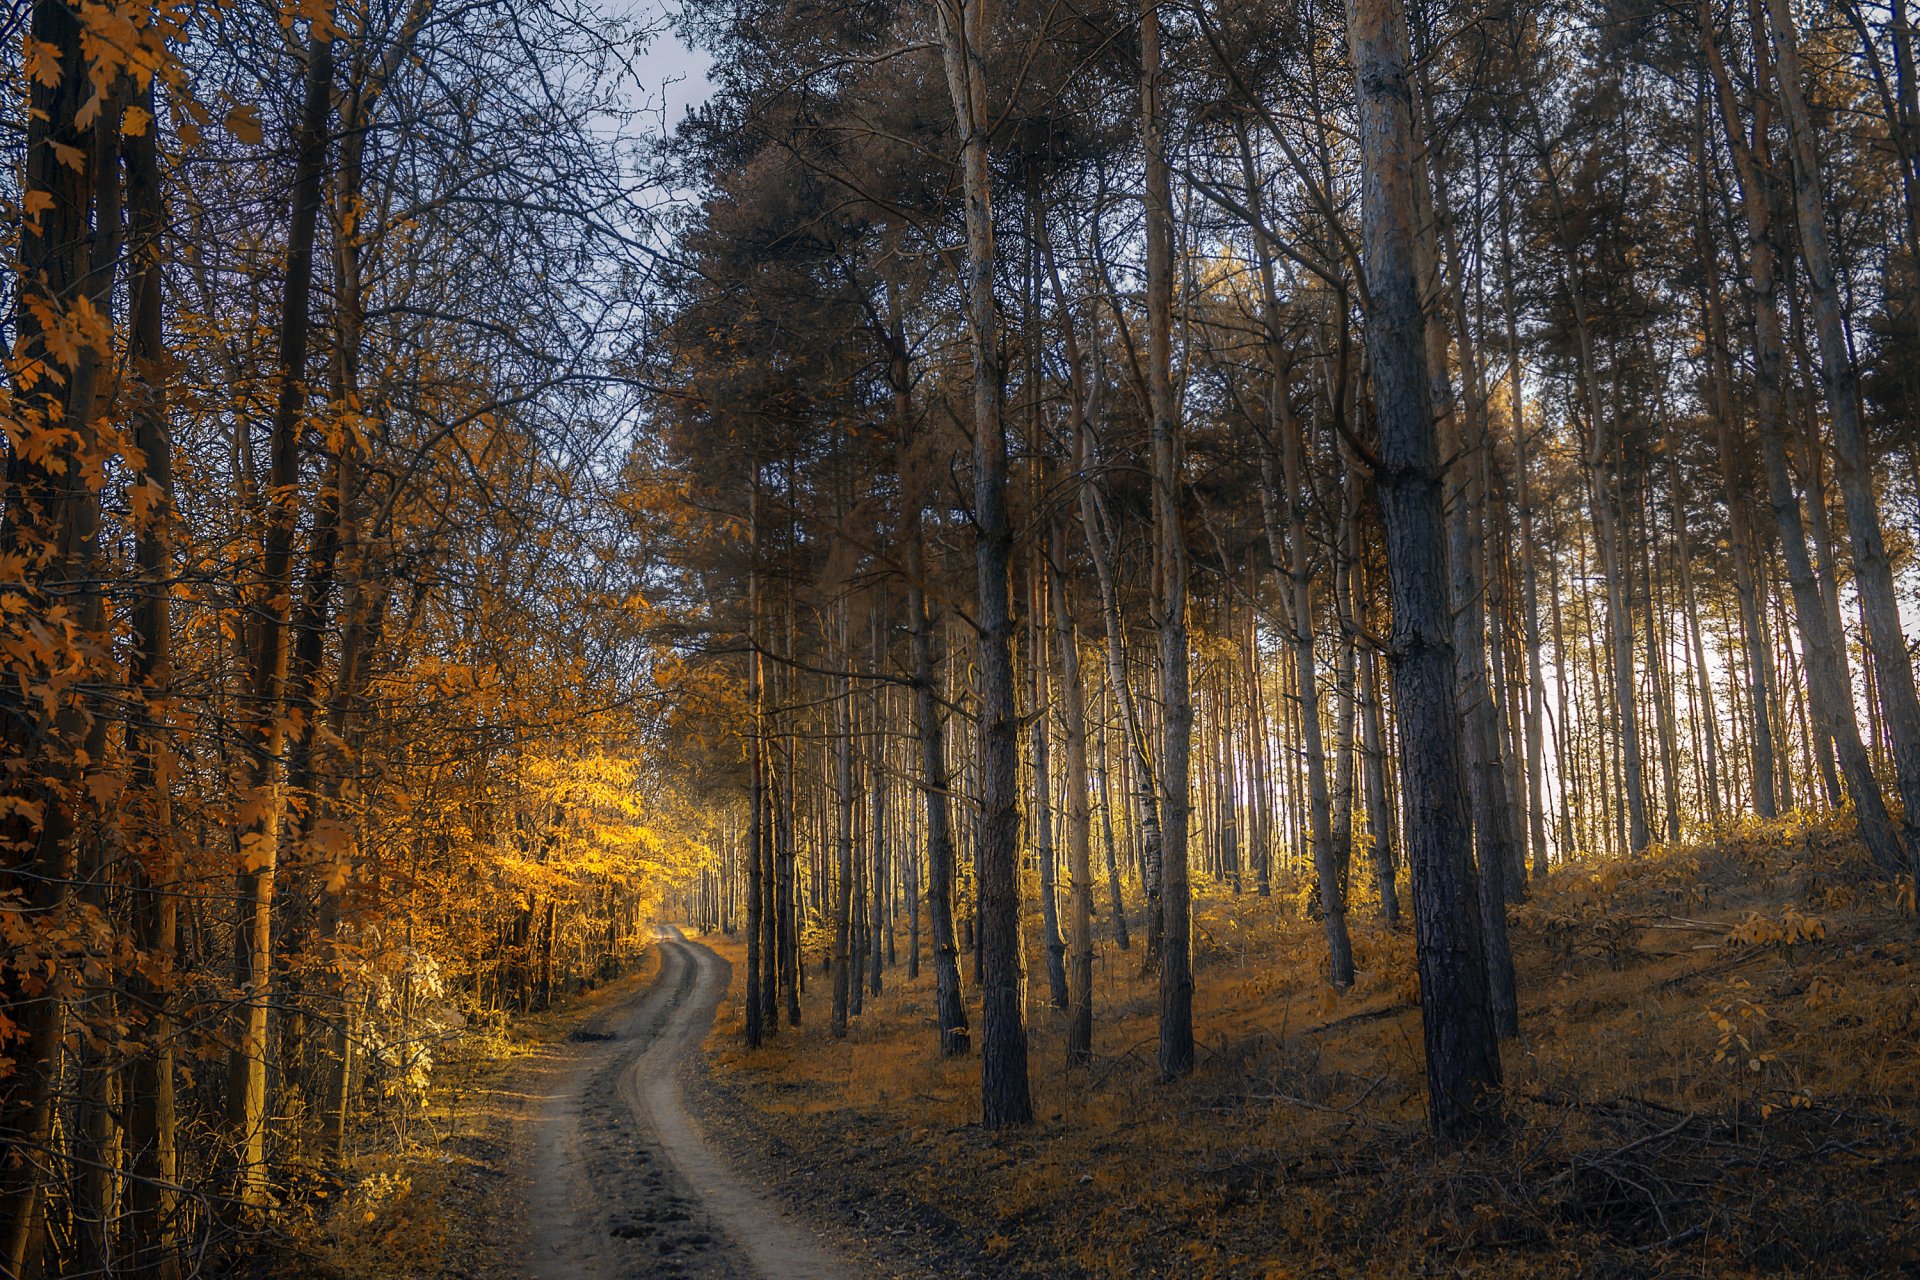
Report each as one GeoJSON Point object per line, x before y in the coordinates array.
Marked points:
{"type": "Point", "coordinates": [247, 1100]}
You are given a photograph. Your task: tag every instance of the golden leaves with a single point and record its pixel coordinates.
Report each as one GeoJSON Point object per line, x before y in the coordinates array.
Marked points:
{"type": "Point", "coordinates": [243, 122]}
{"type": "Point", "coordinates": [105, 788]}
{"type": "Point", "coordinates": [258, 850]}
{"type": "Point", "coordinates": [146, 498]}
{"type": "Point", "coordinates": [42, 61]}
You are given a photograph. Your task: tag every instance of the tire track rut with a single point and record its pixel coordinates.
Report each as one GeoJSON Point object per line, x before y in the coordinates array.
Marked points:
{"type": "Point", "coordinates": [623, 1183]}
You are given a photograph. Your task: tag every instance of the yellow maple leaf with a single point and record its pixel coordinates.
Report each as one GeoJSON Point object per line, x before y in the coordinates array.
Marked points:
{"type": "Point", "coordinates": [43, 61]}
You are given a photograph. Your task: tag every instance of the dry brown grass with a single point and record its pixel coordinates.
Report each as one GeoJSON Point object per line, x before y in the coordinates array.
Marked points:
{"type": "Point", "coordinates": [1718, 1075]}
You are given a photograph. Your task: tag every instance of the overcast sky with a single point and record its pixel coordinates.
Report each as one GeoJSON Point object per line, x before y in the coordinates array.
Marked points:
{"type": "Point", "coordinates": [673, 76]}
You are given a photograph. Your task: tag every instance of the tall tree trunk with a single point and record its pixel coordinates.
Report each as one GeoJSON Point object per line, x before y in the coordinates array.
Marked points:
{"type": "Point", "coordinates": [1465, 507]}
{"type": "Point", "coordinates": [1004, 1092]}
{"type": "Point", "coordinates": [247, 1101]}
{"type": "Point", "coordinates": [1170, 564]}
{"type": "Point", "coordinates": [51, 523]}
{"type": "Point", "coordinates": [1463, 1057]}
{"type": "Point", "coordinates": [757, 1014]}
{"type": "Point", "coordinates": [1529, 573]}
{"type": "Point", "coordinates": [1084, 399]}
{"type": "Point", "coordinates": [843, 833]}
{"type": "Point", "coordinates": [877, 890]}
{"type": "Point", "coordinates": [935, 785]}
{"type": "Point", "coordinates": [1294, 561]}
{"type": "Point", "coordinates": [1602, 463]}
{"type": "Point", "coordinates": [152, 1135]}
{"type": "Point", "coordinates": [1736, 488]}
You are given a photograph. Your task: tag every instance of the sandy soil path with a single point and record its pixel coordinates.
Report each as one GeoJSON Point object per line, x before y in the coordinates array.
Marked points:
{"type": "Point", "coordinates": [621, 1182]}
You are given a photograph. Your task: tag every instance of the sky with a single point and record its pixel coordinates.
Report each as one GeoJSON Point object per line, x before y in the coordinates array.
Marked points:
{"type": "Point", "coordinates": [673, 76]}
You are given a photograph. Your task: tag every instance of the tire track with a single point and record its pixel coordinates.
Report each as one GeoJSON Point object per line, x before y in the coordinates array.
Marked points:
{"type": "Point", "coordinates": [623, 1184]}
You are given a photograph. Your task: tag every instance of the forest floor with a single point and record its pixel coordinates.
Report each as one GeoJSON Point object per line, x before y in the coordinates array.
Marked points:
{"type": "Point", "coordinates": [1718, 1074]}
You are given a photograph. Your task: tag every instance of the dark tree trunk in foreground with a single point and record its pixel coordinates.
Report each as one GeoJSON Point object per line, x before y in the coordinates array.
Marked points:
{"type": "Point", "coordinates": [1170, 561]}
{"type": "Point", "coordinates": [1004, 1094]}
{"type": "Point", "coordinates": [1463, 1055]}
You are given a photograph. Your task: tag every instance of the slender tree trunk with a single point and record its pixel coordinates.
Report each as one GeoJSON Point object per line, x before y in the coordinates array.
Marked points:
{"type": "Point", "coordinates": [1465, 507]}
{"type": "Point", "coordinates": [1041, 749]}
{"type": "Point", "coordinates": [1120, 935]}
{"type": "Point", "coordinates": [757, 1014]}
{"type": "Point", "coordinates": [935, 785]}
{"type": "Point", "coordinates": [1082, 408]}
{"type": "Point", "coordinates": [1529, 573]}
{"type": "Point", "coordinates": [843, 980]}
{"type": "Point", "coordinates": [1295, 563]}
{"type": "Point", "coordinates": [152, 1135]}
{"type": "Point", "coordinates": [1079, 817]}
{"type": "Point", "coordinates": [1005, 1096]}
{"type": "Point", "coordinates": [1170, 562]}
{"type": "Point", "coordinates": [1737, 488]}
{"type": "Point", "coordinates": [877, 890]}
{"type": "Point", "coordinates": [259, 842]}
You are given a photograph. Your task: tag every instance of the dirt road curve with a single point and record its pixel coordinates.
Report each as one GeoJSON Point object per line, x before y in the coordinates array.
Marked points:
{"type": "Point", "coordinates": [623, 1185]}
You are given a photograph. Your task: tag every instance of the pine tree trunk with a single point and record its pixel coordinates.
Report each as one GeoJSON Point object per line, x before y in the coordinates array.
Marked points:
{"type": "Point", "coordinates": [1073, 717]}
{"type": "Point", "coordinates": [1465, 507]}
{"type": "Point", "coordinates": [843, 980]}
{"type": "Point", "coordinates": [1170, 565]}
{"type": "Point", "coordinates": [757, 1015]}
{"type": "Point", "coordinates": [1736, 487]}
{"type": "Point", "coordinates": [1005, 1095]}
{"type": "Point", "coordinates": [1463, 1058]}
{"type": "Point", "coordinates": [1529, 572]}
{"type": "Point", "coordinates": [1289, 489]}
{"type": "Point", "coordinates": [1041, 750]}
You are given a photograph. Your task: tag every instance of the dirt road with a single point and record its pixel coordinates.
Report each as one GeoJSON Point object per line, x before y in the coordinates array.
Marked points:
{"type": "Point", "coordinates": [622, 1184]}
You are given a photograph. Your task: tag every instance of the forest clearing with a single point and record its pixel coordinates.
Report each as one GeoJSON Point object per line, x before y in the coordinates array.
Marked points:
{"type": "Point", "coordinates": [861, 638]}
